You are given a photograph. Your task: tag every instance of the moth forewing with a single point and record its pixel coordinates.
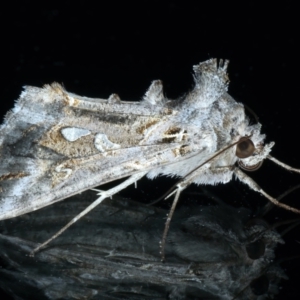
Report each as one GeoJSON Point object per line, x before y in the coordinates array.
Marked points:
{"type": "Point", "coordinates": [55, 144]}
{"type": "Point", "coordinates": [44, 158]}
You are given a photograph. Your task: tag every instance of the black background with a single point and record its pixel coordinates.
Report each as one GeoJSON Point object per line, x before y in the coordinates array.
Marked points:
{"type": "Point", "coordinates": [99, 49]}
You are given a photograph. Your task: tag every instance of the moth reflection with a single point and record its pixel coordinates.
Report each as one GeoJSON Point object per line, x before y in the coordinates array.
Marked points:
{"type": "Point", "coordinates": [214, 252]}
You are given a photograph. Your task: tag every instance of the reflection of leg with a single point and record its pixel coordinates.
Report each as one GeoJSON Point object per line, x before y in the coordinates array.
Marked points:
{"type": "Point", "coordinates": [180, 186]}
{"type": "Point", "coordinates": [255, 187]}
{"type": "Point", "coordinates": [103, 195]}
{"type": "Point", "coordinates": [169, 218]}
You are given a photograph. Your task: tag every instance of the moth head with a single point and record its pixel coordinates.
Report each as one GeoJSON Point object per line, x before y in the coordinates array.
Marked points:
{"type": "Point", "coordinates": [251, 155]}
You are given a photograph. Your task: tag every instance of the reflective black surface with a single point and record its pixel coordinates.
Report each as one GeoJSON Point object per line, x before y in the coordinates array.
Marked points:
{"type": "Point", "coordinates": [113, 253]}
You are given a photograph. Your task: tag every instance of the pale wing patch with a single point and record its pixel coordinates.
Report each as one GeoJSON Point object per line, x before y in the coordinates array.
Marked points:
{"type": "Point", "coordinates": [103, 144]}
{"type": "Point", "coordinates": [66, 171]}
{"type": "Point", "coordinates": [72, 134]}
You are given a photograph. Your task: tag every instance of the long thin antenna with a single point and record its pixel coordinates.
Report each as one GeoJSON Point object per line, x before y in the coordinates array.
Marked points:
{"type": "Point", "coordinates": [181, 185]}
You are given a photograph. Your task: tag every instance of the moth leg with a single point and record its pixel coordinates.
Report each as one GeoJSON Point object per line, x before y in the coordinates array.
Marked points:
{"type": "Point", "coordinates": [255, 187]}
{"type": "Point", "coordinates": [283, 165]}
{"type": "Point", "coordinates": [103, 195]}
{"type": "Point", "coordinates": [180, 186]}
{"type": "Point", "coordinates": [169, 218]}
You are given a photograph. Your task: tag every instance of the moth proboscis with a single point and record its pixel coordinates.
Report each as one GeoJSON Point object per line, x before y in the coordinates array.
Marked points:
{"type": "Point", "coordinates": [55, 144]}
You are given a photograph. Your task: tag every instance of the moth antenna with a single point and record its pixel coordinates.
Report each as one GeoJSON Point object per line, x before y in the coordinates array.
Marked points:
{"type": "Point", "coordinates": [171, 191]}
{"type": "Point", "coordinates": [255, 187]}
{"type": "Point", "coordinates": [181, 185]}
{"type": "Point", "coordinates": [251, 111]}
{"type": "Point", "coordinates": [285, 166]}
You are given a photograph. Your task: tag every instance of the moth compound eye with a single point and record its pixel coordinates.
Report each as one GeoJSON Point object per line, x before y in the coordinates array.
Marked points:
{"type": "Point", "coordinates": [260, 285]}
{"type": "Point", "coordinates": [256, 249]}
{"type": "Point", "coordinates": [250, 168]}
{"type": "Point", "coordinates": [244, 148]}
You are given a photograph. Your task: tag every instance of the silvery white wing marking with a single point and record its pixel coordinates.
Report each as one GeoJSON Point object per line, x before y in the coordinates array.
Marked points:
{"type": "Point", "coordinates": [55, 144]}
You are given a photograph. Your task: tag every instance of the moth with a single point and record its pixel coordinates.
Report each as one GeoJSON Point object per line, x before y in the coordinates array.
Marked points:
{"type": "Point", "coordinates": [55, 144]}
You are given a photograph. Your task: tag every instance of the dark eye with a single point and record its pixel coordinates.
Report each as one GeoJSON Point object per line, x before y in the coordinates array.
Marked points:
{"type": "Point", "coordinates": [256, 249]}
{"type": "Point", "coordinates": [260, 286]}
{"type": "Point", "coordinates": [244, 148]}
